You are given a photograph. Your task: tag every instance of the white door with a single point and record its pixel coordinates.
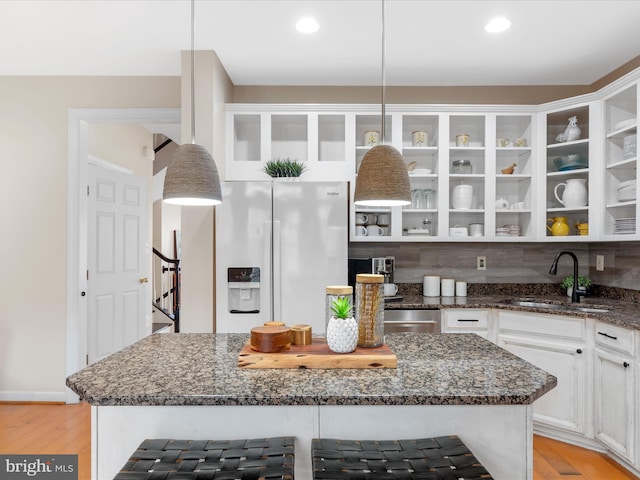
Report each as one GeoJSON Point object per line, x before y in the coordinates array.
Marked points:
{"type": "Point", "coordinates": [614, 402]}
{"type": "Point", "coordinates": [118, 301]}
{"type": "Point", "coordinates": [564, 406]}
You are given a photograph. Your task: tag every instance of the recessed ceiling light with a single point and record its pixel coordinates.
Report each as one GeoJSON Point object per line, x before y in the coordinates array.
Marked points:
{"type": "Point", "coordinates": [307, 25]}
{"type": "Point", "coordinates": [497, 25]}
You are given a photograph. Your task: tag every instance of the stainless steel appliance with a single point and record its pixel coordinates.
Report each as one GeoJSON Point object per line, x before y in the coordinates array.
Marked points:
{"type": "Point", "coordinates": [379, 265]}
{"type": "Point", "coordinates": [413, 321]}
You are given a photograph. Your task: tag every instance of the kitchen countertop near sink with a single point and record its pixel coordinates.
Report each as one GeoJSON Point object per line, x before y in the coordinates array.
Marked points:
{"type": "Point", "coordinates": [620, 312]}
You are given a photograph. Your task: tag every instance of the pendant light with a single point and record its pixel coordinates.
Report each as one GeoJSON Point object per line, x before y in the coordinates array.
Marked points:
{"type": "Point", "coordinates": [383, 180]}
{"type": "Point", "coordinates": [192, 176]}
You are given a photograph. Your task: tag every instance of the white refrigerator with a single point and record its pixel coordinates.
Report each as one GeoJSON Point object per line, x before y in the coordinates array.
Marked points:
{"type": "Point", "coordinates": [278, 245]}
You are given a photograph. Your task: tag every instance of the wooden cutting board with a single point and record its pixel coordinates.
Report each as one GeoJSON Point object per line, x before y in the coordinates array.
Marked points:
{"type": "Point", "coordinates": [318, 355]}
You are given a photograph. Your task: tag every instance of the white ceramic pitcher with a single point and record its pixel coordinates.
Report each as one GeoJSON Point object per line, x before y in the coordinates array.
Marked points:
{"type": "Point", "coordinates": [574, 194]}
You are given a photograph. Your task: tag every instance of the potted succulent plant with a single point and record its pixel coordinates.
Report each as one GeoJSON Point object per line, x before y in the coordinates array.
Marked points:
{"type": "Point", "coordinates": [584, 282]}
{"type": "Point", "coordinates": [342, 328]}
{"type": "Point", "coordinates": [284, 168]}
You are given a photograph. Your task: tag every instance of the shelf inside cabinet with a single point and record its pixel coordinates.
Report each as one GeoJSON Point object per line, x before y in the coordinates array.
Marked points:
{"type": "Point", "coordinates": [567, 210]}
{"type": "Point", "coordinates": [568, 147]}
{"type": "Point", "coordinates": [628, 163]}
{"type": "Point", "coordinates": [630, 203]}
{"type": "Point", "coordinates": [581, 172]}
{"type": "Point", "coordinates": [623, 132]}
{"type": "Point", "coordinates": [557, 123]}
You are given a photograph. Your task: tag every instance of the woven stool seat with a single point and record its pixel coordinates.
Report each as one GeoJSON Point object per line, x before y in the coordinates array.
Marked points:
{"type": "Point", "coordinates": [441, 458]}
{"type": "Point", "coordinates": [255, 459]}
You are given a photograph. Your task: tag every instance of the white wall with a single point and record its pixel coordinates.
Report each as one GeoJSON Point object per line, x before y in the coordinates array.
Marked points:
{"type": "Point", "coordinates": [213, 89]}
{"type": "Point", "coordinates": [33, 209]}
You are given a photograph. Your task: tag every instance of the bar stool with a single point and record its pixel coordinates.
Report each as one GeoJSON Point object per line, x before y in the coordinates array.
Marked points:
{"type": "Point", "coordinates": [262, 458]}
{"type": "Point", "coordinates": [441, 458]}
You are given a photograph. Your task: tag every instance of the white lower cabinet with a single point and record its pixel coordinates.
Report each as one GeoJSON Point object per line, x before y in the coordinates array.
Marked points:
{"type": "Point", "coordinates": [557, 345]}
{"type": "Point", "coordinates": [468, 320]}
{"type": "Point", "coordinates": [595, 403]}
{"type": "Point", "coordinates": [614, 409]}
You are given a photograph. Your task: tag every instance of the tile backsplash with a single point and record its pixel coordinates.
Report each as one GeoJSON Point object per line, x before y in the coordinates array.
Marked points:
{"type": "Point", "coordinates": [508, 262]}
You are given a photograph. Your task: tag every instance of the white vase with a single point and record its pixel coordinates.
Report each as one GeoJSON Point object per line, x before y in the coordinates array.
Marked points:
{"type": "Point", "coordinates": [342, 334]}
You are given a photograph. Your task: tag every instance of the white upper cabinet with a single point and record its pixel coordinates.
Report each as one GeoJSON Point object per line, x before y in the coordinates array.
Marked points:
{"type": "Point", "coordinates": [569, 162]}
{"type": "Point", "coordinates": [257, 134]}
{"type": "Point", "coordinates": [621, 162]}
{"type": "Point", "coordinates": [471, 174]}
{"type": "Point", "coordinates": [563, 171]}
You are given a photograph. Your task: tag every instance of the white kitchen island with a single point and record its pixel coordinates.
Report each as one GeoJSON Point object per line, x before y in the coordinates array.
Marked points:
{"type": "Point", "coordinates": [188, 386]}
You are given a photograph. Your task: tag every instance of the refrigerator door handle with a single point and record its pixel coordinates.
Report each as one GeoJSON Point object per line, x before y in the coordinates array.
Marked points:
{"type": "Point", "coordinates": [276, 273]}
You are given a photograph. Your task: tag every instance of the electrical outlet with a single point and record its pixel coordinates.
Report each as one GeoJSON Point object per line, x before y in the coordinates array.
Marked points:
{"type": "Point", "coordinates": [482, 263]}
{"type": "Point", "coordinates": [600, 263]}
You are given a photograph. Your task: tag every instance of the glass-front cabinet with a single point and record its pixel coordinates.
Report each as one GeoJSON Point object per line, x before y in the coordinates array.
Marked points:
{"type": "Point", "coordinates": [569, 199]}
{"type": "Point", "coordinates": [621, 163]}
{"type": "Point", "coordinates": [562, 171]}
{"type": "Point", "coordinates": [470, 171]}
{"type": "Point", "coordinates": [317, 137]}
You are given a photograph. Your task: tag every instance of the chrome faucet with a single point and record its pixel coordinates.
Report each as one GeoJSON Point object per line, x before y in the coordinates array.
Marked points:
{"type": "Point", "coordinates": [575, 294]}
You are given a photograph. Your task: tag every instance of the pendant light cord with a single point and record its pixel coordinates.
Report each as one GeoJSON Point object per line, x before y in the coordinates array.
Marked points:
{"type": "Point", "coordinates": [384, 47]}
{"type": "Point", "coordinates": [193, 82]}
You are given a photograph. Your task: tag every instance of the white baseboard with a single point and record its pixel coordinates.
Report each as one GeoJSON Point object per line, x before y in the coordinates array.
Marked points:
{"type": "Point", "coordinates": [8, 396]}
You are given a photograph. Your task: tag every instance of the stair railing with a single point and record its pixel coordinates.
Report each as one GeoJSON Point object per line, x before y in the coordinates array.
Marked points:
{"type": "Point", "coordinates": [174, 291]}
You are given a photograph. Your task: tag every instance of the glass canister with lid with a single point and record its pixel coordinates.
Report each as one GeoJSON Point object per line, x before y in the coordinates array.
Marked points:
{"type": "Point", "coordinates": [370, 309]}
{"type": "Point", "coordinates": [334, 292]}
{"type": "Point", "coordinates": [461, 167]}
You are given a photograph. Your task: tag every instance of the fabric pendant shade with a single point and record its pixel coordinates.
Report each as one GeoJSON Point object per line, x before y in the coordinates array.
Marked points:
{"type": "Point", "coordinates": [192, 178]}
{"type": "Point", "coordinates": [382, 179]}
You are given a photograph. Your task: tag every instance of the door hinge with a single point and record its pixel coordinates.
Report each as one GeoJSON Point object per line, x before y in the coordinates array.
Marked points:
{"type": "Point", "coordinates": [87, 190]}
{"type": "Point", "coordinates": [87, 359]}
{"type": "Point", "coordinates": [87, 274]}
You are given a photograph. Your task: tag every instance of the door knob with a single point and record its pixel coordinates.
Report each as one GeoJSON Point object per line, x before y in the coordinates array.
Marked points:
{"type": "Point", "coordinates": [144, 280]}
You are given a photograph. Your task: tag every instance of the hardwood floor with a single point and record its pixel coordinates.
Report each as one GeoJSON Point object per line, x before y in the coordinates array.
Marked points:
{"type": "Point", "coordinates": [66, 429]}
{"type": "Point", "coordinates": [48, 429]}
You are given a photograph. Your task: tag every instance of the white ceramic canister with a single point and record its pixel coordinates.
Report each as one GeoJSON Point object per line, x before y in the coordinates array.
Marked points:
{"type": "Point", "coordinates": [574, 194]}
{"type": "Point", "coordinates": [419, 138]}
{"type": "Point", "coordinates": [462, 197]}
{"type": "Point", "coordinates": [448, 287]}
{"type": "Point", "coordinates": [461, 289]}
{"type": "Point", "coordinates": [431, 286]}
{"type": "Point", "coordinates": [371, 138]}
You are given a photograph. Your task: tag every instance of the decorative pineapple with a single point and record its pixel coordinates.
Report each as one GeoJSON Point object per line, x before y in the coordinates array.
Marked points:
{"type": "Point", "coordinates": [342, 328]}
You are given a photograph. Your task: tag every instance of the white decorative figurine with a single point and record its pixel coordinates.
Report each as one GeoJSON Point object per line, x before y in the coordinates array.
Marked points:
{"type": "Point", "coordinates": [571, 133]}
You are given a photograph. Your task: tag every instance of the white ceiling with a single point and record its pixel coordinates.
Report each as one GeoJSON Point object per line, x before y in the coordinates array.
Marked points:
{"type": "Point", "coordinates": [429, 42]}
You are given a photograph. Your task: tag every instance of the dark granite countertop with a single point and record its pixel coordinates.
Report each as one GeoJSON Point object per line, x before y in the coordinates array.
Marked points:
{"type": "Point", "coordinates": [620, 312]}
{"type": "Point", "coordinates": [201, 369]}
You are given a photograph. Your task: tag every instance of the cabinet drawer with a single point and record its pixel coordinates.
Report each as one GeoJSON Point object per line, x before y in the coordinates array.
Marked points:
{"type": "Point", "coordinates": [545, 325]}
{"type": "Point", "coordinates": [617, 338]}
{"type": "Point", "coordinates": [468, 319]}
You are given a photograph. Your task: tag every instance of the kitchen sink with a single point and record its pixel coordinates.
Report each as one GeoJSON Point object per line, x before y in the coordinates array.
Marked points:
{"type": "Point", "coordinates": [532, 304]}
{"type": "Point", "coordinates": [589, 309]}
{"type": "Point", "coordinates": [558, 306]}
